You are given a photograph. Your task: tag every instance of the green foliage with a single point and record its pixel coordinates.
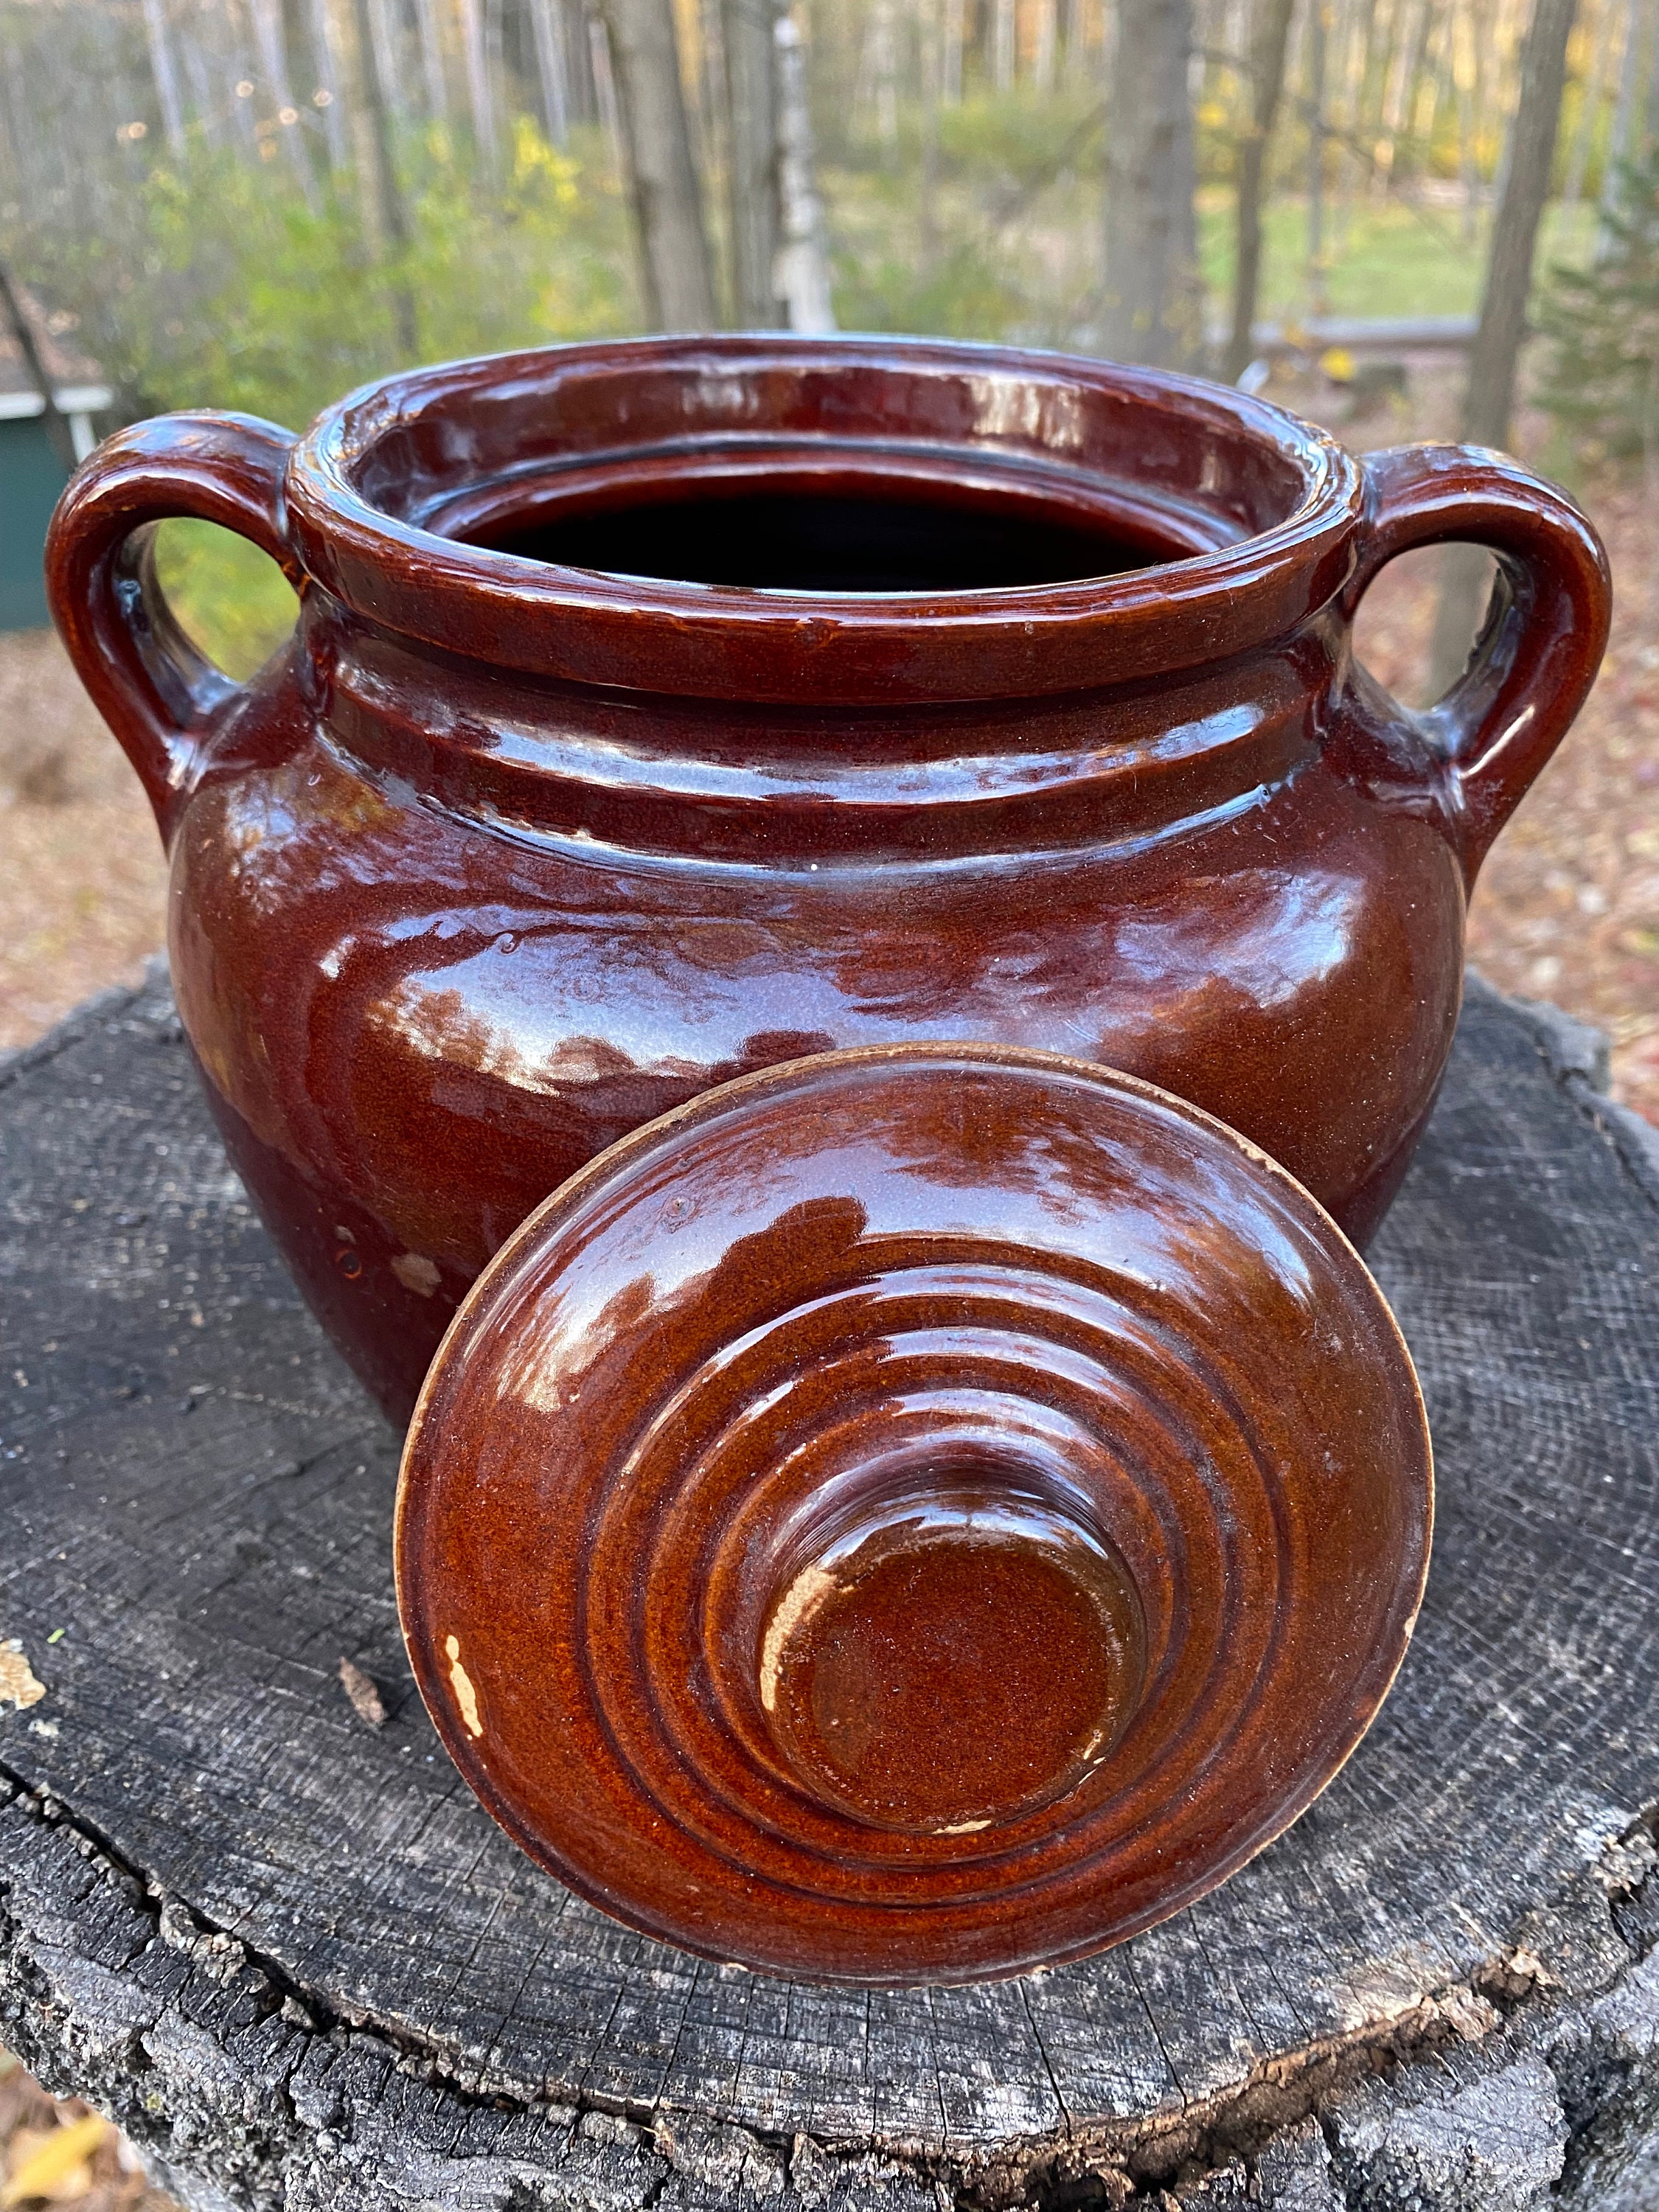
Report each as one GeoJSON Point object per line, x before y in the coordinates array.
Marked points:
{"type": "Point", "coordinates": [1603, 379]}
{"type": "Point", "coordinates": [232, 600]}
{"type": "Point", "coordinates": [230, 285]}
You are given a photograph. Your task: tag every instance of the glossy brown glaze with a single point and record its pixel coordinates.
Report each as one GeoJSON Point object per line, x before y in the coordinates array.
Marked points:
{"type": "Point", "coordinates": [504, 856]}
{"type": "Point", "coordinates": [913, 1515]}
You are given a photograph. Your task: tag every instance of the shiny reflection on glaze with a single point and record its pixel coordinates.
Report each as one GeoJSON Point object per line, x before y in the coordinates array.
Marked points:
{"type": "Point", "coordinates": [975, 1501]}
{"type": "Point", "coordinates": [499, 859]}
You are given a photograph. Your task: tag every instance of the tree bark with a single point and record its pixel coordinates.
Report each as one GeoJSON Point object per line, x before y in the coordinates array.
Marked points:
{"type": "Point", "coordinates": [1270, 30]}
{"type": "Point", "coordinates": [676, 275]}
{"type": "Point", "coordinates": [393, 208]}
{"type": "Point", "coordinates": [550, 67]}
{"type": "Point", "coordinates": [803, 265]}
{"type": "Point", "coordinates": [432, 61]}
{"type": "Point", "coordinates": [166, 77]}
{"type": "Point", "coordinates": [480, 93]}
{"type": "Point", "coordinates": [327, 61]}
{"type": "Point", "coordinates": [1489, 398]}
{"type": "Point", "coordinates": [1318, 300]}
{"type": "Point", "coordinates": [746, 30]}
{"type": "Point", "coordinates": [1150, 309]}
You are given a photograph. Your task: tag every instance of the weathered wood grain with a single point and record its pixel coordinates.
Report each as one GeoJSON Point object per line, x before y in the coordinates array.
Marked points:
{"type": "Point", "coordinates": [291, 1953]}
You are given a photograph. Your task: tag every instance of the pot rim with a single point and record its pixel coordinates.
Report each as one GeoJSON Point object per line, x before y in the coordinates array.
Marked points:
{"type": "Point", "coordinates": [590, 627]}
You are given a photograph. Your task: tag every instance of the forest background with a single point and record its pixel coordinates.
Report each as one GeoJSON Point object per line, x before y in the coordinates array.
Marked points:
{"type": "Point", "coordinates": [259, 204]}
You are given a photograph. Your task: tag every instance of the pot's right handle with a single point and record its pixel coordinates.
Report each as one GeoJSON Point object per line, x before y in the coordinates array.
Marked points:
{"type": "Point", "coordinates": [161, 698]}
{"type": "Point", "coordinates": [1545, 628]}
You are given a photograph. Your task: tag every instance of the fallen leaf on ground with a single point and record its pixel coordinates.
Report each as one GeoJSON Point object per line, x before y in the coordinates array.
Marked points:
{"type": "Point", "coordinates": [19, 1684]}
{"type": "Point", "coordinates": [366, 1701]}
{"type": "Point", "coordinates": [52, 2165]}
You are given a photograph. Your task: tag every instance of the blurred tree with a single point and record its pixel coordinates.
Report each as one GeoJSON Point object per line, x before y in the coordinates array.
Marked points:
{"type": "Point", "coordinates": [380, 183]}
{"type": "Point", "coordinates": [1270, 31]}
{"type": "Point", "coordinates": [1152, 300]}
{"type": "Point", "coordinates": [677, 277]}
{"type": "Point", "coordinates": [803, 264]}
{"type": "Point", "coordinates": [1603, 379]}
{"type": "Point", "coordinates": [1489, 395]}
{"type": "Point", "coordinates": [747, 28]}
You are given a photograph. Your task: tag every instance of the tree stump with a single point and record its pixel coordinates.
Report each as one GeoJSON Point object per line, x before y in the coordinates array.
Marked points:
{"type": "Point", "coordinates": [285, 1950]}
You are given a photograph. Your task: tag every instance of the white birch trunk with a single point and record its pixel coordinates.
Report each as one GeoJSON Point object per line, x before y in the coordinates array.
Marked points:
{"type": "Point", "coordinates": [167, 80]}
{"type": "Point", "coordinates": [326, 60]}
{"type": "Point", "coordinates": [604, 91]}
{"type": "Point", "coordinates": [803, 271]}
{"type": "Point", "coordinates": [431, 60]}
{"type": "Point", "coordinates": [479, 97]}
{"type": "Point", "coordinates": [551, 67]}
{"type": "Point", "coordinates": [1048, 45]}
{"type": "Point", "coordinates": [1004, 43]}
{"type": "Point", "coordinates": [951, 63]}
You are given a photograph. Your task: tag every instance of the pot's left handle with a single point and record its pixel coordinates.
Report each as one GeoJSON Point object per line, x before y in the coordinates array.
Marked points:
{"type": "Point", "coordinates": [159, 696]}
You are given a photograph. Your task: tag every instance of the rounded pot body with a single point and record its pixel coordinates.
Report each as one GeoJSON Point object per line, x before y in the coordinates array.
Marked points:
{"type": "Point", "coordinates": [660, 711]}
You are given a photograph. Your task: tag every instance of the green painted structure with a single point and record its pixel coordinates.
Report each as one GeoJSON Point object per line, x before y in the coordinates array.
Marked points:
{"type": "Point", "coordinates": [31, 478]}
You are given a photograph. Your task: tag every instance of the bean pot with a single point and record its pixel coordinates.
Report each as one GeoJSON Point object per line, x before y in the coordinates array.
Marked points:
{"type": "Point", "coordinates": [658, 711]}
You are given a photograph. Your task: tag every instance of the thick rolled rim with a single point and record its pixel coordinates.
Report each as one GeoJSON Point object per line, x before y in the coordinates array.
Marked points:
{"type": "Point", "coordinates": [716, 641]}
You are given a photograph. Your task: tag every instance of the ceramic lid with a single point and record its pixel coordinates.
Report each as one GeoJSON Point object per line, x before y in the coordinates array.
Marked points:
{"type": "Point", "coordinates": [913, 1515]}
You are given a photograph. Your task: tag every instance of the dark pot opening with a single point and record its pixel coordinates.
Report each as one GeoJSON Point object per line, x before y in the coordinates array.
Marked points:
{"type": "Point", "coordinates": [823, 543]}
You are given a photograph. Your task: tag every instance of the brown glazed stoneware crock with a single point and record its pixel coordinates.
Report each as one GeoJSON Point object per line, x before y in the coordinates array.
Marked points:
{"type": "Point", "coordinates": [916, 1514]}
{"type": "Point", "coordinates": [660, 711]}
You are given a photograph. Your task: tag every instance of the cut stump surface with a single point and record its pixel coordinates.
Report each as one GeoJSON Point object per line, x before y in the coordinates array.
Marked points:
{"type": "Point", "coordinates": [287, 1951]}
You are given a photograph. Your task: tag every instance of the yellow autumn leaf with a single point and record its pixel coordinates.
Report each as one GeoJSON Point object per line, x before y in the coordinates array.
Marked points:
{"type": "Point", "coordinates": [1338, 364]}
{"type": "Point", "coordinates": [44, 2171]}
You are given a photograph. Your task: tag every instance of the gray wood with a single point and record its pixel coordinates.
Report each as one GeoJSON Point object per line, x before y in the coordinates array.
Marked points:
{"type": "Point", "coordinates": [287, 1950]}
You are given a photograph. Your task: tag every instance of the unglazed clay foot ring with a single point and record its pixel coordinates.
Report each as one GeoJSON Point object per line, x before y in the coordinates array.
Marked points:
{"type": "Point", "coordinates": [916, 1514]}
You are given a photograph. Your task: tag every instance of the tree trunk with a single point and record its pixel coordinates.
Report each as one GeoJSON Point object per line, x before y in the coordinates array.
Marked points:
{"type": "Point", "coordinates": [1005, 45]}
{"type": "Point", "coordinates": [746, 32]}
{"type": "Point", "coordinates": [803, 271]}
{"type": "Point", "coordinates": [1271, 32]}
{"type": "Point", "coordinates": [167, 80]}
{"type": "Point", "coordinates": [479, 91]}
{"type": "Point", "coordinates": [676, 275]}
{"type": "Point", "coordinates": [327, 62]}
{"type": "Point", "coordinates": [1048, 45]}
{"type": "Point", "coordinates": [392, 207]}
{"type": "Point", "coordinates": [273, 63]}
{"type": "Point", "coordinates": [1318, 301]}
{"type": "Point", "coordinates": [550, 67]}
{"type": "Point", "coordinates": [951, 80]}
{"type": "Point", "coordinates": [432, 61]}
{"type": "Point", "coordinates": [1152, 306]}
{"type": "Point", "coordinates": [1489, 398]}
